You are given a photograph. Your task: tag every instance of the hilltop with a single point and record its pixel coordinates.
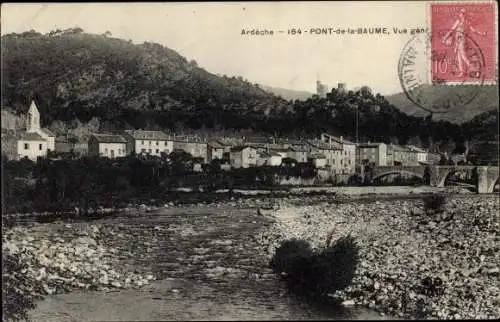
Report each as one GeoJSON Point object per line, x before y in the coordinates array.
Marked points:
{"type": "Point", "coordinates": [85, 75]}
{"type": "Point", "coordinates": [485, 101]}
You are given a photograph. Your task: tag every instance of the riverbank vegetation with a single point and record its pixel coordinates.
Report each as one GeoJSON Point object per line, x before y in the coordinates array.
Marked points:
{"type": "Point", "coordinates": [315, 274]}
{"type": "Point", "coordinates": [88, 183]}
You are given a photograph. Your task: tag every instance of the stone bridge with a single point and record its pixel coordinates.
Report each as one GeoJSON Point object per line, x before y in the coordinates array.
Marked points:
{"type": "Point", "coordinates": [487, 176]}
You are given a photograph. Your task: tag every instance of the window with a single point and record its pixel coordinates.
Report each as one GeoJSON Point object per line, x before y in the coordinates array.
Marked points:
{"type": "Point", "coordinates": [165, 143]}
{"type": "Point", "coordinates": [157, 143]}
{"type": "Point", "coordinates": [149, 150]}
{"type": "Point", "coordinates": [40, 147]}
{"type": "Point", "coordinates": [26, 146]}
{"type": "Point", "coordinates": [106, 151]}
{"type": "Point", "coordinates": [149, 143]}
{"type": "Point", "coordinates": [157, 151]}
{"type": "Point", "coordinates": [340, 161]}
{"type": "Point", "coordinates": [143, 150]}
{"type": "Point", "coordinates": [142, 142]}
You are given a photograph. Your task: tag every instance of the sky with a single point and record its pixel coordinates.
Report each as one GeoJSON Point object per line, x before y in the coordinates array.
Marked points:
{"type": "Point", "coordinates": [210, 33]}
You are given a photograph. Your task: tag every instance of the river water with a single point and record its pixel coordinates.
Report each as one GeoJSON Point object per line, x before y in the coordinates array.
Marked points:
{"type": "Point", "coordinates": [210, 267]}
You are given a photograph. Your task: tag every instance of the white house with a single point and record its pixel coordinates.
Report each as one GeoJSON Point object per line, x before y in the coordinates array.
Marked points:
{"type": "Point", "coordinates": [148, 142]}
{"type": "Point", "coordinates": [271, 158]}
{"type": "Point", "coordinates": [243, 157]}
{"type": "Point", "coordinates": [107, 145]}
{"type": "Point", "coordinates": [31, 145]}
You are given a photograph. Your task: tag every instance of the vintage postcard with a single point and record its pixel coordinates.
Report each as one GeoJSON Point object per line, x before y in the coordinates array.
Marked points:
{"type": "Point", "coordinates": [250, 160]}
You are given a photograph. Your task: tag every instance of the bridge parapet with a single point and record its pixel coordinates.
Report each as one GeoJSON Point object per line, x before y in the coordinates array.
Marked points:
{"type": "Point", "coordinates": [487, 176]}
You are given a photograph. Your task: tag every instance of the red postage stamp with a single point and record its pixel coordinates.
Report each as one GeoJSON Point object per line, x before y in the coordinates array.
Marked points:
{"type": "Point", "coordinates": [463, 42]}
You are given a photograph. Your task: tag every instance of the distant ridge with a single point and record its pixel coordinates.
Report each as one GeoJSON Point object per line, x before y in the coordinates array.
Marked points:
{"type": "Point", "coordinates": [288, 94]}
{"type": "Point", "coordinates": [485, 101]}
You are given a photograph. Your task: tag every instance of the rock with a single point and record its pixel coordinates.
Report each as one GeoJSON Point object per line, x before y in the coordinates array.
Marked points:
{"type": "Point", "coordinates": [348, 303]}
{"type": "Point", "coordinates": [85, 241]}
{"type": "Point", "coordinates": [494, 271]}
{"type": "Point", "coordinates": [116, 284]}
{"type": "Point", "coordinates": [10, 247]}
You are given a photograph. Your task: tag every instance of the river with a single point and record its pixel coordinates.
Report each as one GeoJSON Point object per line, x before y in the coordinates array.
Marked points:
{"type": "Point", "coordinates": [209, 267]}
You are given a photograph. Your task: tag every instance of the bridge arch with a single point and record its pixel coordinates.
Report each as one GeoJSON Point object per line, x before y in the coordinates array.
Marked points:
{"type": "Point", "coordinates": [384, 174]}
{"type": "Point", "coordinates": [491, 188]}
{"type": "Point", "coordinates": [449, 173]}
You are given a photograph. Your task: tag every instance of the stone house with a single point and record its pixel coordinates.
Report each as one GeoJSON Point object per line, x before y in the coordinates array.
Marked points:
{"type": "Point", "coordinates": [347, 157]}
{"type": "Point", "coordinates": [215, 150]}
{"type": "Point", "coordinates": [192, 145]}
{"type": "Point", "coordinates": [148, 142]}
{"type": "Point", "coordinates": [318, 160]}
{"type": "Point", "coordinates": [331, 153]}
{"type": "Point", "coordinates": [372, 153]}
{"type": "Point", "coordinates": [299, 154]}
{"type": "Point", "coordinates": [107, 145]}
{"type": "Point", "coordinates": [421, 154]}
{"type": "Point", "coordinates": [243, 157]}
{"type": "Point", "coordinates": [398, 155]}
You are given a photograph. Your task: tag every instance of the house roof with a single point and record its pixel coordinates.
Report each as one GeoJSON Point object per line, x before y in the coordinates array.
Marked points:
{"type": "Point", "coordinates": [48, 132]}
{"type": "Point", "coordinates": [274, 154]}
{"type": "Point", "coordinates": [264, 154]}
{"type": "Point", "coordinates": [416, 149]}
{"type": "Point", "coordinates": [369, 145]}
{"type": "Point", "coordinates": [322, 145]}
{"type": "Point", "coordinates": [108, 138]}
{"type": "Point", "coordinates": [241, 147]}
{"type": "Point", "coordinates": [289, 141]}
{"type": "Point", "coordinates": [317, 156]}
{"type": "Point", "coordinates": [337, 139]}
{"type": "Point", "coordinates": [256, 145]}
{"type": "Point", "coordinates": [215, 144]}
{"type": "Point", "coordinates": [279, 149]}
{"type": "Point", "coordinates": [187, 139]}
{"type": "Point", "coordinates": [399, 148]}
{"type": "Point", "coordinates": [148, 135]}
{"type": "Point", "coordinates": [258, 139]}
{"type": "Point", "coordinates": [297, 149]}
{"type": "Point", "coordinates": [228, 141]}
{"type": "Point", "coordinates": [29, 136]}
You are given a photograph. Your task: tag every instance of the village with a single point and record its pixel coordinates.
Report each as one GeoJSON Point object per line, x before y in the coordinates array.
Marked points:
{"type": "Point", "coordinates": [328, 152]}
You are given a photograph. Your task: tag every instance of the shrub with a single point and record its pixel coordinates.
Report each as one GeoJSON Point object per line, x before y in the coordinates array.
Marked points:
{"type": "Point", "coordinates": [17, 288]}
{"type": "Point", "coordinates": [314, 274]}
{"type": "Point", "coordinates": [434, 203]}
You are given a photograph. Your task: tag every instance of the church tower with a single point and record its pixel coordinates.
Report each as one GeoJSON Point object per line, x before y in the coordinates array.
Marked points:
{"type": "Point", "coordinates": [33, 119]}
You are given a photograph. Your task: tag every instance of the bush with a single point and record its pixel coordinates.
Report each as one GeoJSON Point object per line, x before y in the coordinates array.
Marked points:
{"type": "Point", "coordinates": [17, 288]}
{"type": "Point", "coordinates": [434, 203]}
{"type": "Point", "coordinates": [315, 274]}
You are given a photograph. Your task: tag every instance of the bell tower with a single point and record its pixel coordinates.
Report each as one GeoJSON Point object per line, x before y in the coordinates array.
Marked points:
{"type": "Point", "coordinates": [33, 119]}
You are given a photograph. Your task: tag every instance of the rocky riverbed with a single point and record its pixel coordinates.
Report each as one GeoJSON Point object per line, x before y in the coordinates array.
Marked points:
{"type": "Point", "coordinates": [401, 245]}
{"type": "Point", "coordinates": [185, 262]}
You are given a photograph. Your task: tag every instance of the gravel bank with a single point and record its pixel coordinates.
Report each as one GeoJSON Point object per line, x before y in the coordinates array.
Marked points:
{"type": "Point", "coordinates": [70, 257]}
{"type": "Point", "coordinates": [401, 245]}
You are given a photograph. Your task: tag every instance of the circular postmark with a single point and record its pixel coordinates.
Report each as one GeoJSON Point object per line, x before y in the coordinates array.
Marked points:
{"type": "Point", "coordinates": [438, 74]}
